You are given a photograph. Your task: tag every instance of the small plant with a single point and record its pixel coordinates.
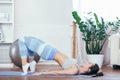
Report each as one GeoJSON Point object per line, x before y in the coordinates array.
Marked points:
{"type": "Point", "coordinates": [95, 31]}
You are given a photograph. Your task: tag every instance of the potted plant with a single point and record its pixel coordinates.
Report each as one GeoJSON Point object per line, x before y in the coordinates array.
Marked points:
{"type": "Point", "coordinates": [95, 32]}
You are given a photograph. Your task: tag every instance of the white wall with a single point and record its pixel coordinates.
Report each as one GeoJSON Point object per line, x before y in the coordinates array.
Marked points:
{"type": "Point", "coordinates": [48, 20]}
{"type": "Point", "coordinates": [108, 9]}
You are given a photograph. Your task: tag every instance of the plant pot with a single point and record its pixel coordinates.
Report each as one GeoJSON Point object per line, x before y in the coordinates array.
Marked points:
{"type": "Point", "coordinates": [94, 58]}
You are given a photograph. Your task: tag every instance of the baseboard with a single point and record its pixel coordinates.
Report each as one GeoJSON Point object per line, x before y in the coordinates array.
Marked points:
{"type": "Point", "coordinates": [11, 65]}
{"type": "Point", "coordinates": [6, 65]}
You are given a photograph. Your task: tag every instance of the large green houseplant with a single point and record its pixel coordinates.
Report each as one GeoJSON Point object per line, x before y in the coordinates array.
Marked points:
{"type": "Point", "coordinates": [95, 32]}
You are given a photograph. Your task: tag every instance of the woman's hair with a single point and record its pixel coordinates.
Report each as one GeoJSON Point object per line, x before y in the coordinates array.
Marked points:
{"type": "Point", "coordinates": [93, 70]}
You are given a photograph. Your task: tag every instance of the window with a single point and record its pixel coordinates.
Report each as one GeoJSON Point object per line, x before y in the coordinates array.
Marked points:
{"type": "Point", "coordinates": [108, 9]}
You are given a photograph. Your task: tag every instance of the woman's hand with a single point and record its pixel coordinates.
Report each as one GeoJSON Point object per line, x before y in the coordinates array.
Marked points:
{"type": "Point", "coordinates": [37, 73]}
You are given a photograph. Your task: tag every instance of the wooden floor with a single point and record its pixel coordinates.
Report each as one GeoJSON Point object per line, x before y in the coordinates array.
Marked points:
{"type": "Point", "coordinates": [109, 74]}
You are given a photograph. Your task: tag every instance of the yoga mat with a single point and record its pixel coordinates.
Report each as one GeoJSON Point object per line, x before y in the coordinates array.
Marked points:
{"type": "Point", "coordinates": [72, 76]}
{"type": "Point", "coordinates": [66, 76]}
{"type": "Point", "coordinates": [13, 73]}
{"type": "Point", "coordinates": [16, 73]}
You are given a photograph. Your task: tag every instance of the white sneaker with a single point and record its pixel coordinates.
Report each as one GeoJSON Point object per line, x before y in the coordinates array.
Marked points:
{"type": "Point", "coordinates": [24, 73]}
{"type": "Point", "coordinates": [25, 68]}
{"type": "Point", "coordinates": [32, 66]}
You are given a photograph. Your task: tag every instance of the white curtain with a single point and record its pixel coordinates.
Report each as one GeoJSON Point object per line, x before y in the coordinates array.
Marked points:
{"type": "Point", "coordinates": [82, 56]}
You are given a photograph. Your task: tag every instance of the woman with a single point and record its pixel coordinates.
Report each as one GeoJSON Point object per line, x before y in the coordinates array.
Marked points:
{"type": "Point", "coordinates": [30, 45]}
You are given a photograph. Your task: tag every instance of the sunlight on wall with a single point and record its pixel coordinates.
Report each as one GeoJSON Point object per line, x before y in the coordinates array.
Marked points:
{"type": "Point", "coordinates": [76, 4]}
{"type": "Point", "coordinates": [108, 9]}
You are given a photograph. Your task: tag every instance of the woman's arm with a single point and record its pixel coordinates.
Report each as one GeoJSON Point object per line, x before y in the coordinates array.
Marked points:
{"type": "Point", "coordinates": [73, 70]}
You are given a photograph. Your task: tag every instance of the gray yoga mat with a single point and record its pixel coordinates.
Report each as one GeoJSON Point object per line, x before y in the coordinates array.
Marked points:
{"type": "Point", "coordinates": [66, 76]}
{"type": "Point", "coordinates": [13, 73]}
{"type": "Point", "coordinates": [16, 73]}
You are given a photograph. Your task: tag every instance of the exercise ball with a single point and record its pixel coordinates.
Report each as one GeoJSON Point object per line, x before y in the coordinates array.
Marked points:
{"type": "Point", "coordinates": [15, 55]}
